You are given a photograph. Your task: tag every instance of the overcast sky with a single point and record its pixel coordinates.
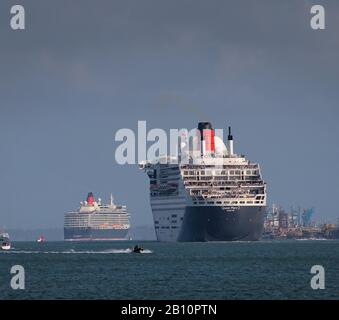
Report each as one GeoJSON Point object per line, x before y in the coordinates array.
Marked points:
{"type": "Point", "coordinates": [83, 69]}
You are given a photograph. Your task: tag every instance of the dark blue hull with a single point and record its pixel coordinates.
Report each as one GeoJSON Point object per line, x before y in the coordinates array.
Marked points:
{"type": "Point", "coordinates": [95, 234]}
{"type": "Point", "coordinates": [215, 223]}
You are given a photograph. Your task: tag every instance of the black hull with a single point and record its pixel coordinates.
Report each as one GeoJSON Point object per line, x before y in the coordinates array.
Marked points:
{"type": "Point", "coordinates": [215, 223]}
{"type": "Point", "coordinates": [95, 234]}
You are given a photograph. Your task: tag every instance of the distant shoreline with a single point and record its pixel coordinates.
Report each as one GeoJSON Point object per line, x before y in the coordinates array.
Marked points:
{"type": "Point", "coordinates": [139, 233]}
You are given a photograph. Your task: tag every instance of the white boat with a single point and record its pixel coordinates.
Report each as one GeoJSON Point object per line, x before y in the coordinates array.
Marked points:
{"type": "Point", "coordinates": [5, 243]}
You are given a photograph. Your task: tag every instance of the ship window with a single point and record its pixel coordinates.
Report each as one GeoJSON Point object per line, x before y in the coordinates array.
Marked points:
{"type": "Point", "coordinates": [257, 202]}
{"type": "Point", "coordinates": [234, 202]}
{"type": "Point", "coordinates": [210, 202]}
{"type": "Point", "coordinates": [249, 201]}
{"type": "Point", "coordinates": [218, 202]}
{"type": "Point", "coordinates": [248, 172]}
{"type": "Point", "coordinates": [156, 222]}
{"type": "Point", "coordinates": [174, 215]}
{"type": "Point", "coordinates": [237, 172]}
{"type": "Point", "coordinates": [242, 201]}
{"type": "Point", "coordinates": [231, 171]}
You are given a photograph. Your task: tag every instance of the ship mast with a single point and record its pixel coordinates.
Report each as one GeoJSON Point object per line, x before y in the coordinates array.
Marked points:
{"type": "Point", "coordinates": [230, 142]}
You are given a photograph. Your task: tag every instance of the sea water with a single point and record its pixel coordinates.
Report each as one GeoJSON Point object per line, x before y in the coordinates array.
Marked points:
{"type": "Point", "coordinates": [223, 270]}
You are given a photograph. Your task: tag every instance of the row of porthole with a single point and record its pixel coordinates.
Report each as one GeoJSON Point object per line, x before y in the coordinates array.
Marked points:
{"type": "Point", "coordinates": [172, 227]}
{"type": "Point", "coordinates": [228, 202]}
{"type": "Point", "coordinates": [223, 172]}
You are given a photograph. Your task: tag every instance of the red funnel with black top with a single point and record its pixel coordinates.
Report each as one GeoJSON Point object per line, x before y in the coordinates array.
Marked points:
{"type": "Point", "coordinates": [207, 136]}
{"type": "Point", "coordinates": [90, 199]}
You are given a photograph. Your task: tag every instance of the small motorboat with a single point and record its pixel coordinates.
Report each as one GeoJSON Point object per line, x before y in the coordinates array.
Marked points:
{"type": "Point", "coordinates": [5, 244]}
{"type": "Point", "coordinates": [137, 249]}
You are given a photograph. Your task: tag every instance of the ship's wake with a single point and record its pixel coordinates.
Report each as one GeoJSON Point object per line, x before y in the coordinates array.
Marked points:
{"type": "Point", "coordinates": [128, 250]}
{"type": "Point", "coordinates": [72, 251]}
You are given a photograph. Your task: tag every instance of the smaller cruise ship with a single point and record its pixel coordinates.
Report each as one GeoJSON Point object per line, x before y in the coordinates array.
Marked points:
{"type": "Point", "coordinates": [97, 221]}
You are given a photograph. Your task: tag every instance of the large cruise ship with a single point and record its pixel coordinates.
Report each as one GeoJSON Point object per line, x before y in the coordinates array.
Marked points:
{"type": "Point", "coordinates": [209, 194]}
{"type": "Point", "coordinates": [96, 221]}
